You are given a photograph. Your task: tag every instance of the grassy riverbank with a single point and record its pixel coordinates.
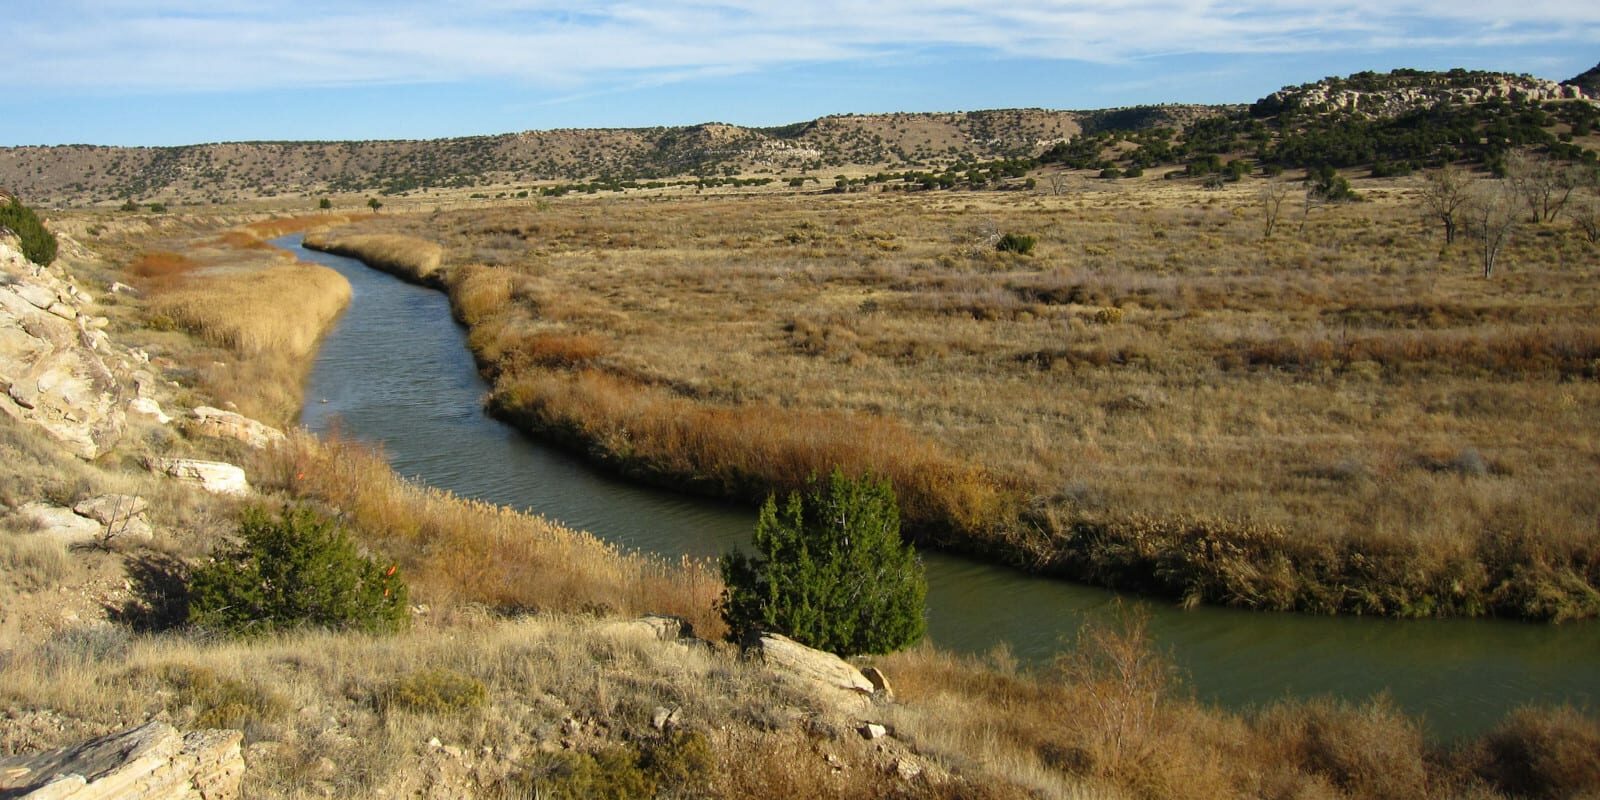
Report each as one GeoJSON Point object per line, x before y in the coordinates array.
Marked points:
{"type": "Point", "coordinates": [1344, 421]}
{"type": "Point", "coordinates": [563, 700]}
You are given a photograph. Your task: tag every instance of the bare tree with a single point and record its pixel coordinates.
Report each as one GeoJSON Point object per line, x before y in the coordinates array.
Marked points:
{"type": "Point", "coordinates": [1444, 192]}
{"type": "Point", "coordinates": [1058, 183]}
{"type": "Point", "coordinates": [1542, 184]}
{"type": "Point", "coordinates": [1585, 213]}
{"type": "Point", "coordinates": [1273, 193]}
{"type": "Point", "coordinates": [1491, 212]}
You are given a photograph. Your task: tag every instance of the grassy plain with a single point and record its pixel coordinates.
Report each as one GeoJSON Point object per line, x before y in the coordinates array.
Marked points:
{"type": "Point", "coordinates": [1344, 418]}
{"type": "Point", "coordinates": [520, 672]}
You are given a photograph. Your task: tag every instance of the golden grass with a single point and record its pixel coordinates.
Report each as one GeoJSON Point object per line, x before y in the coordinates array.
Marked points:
{"type": "Point", "coordinates": [463, 551]}
{"type": "Point", "coordinates": [1155, 377]}
{"type": "Point", "coordinates": [407, 256]}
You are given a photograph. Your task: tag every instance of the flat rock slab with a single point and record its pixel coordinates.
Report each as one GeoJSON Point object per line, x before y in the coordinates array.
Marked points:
{"type": "Point", "coordinates": [217, 477]}
{"type": "Point", "coordinates": [59, 523]}
{"type": "Point", "coordinates": [787, 656]}
{"type": "Point", "coordinates": [216, 423]}
{"type": "Point", "coordinates": [150, 762]}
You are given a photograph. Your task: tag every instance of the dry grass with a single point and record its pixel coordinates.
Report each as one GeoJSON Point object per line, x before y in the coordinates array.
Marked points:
{"type": "Point", "coordinates": [462, 551]}
{"type": "Point", "coordinates": [1154, 378]}
{"type": "Point", "coordinates": [409, 257]}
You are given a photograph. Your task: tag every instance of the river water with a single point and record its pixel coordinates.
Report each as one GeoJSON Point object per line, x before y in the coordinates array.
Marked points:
{"type": "Point", "coordinates": [396, 372]}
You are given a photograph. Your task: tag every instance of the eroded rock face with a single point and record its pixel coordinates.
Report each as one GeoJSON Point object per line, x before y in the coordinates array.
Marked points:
{"type": "Point", "coordinates": [57, 368]}
{"type": "Point", "coordinates": [150, 762]}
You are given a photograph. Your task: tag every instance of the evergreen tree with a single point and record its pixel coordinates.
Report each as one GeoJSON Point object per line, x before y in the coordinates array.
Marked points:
{"type": "Point", "coordinates": [38, 243]}
{"type": "Point", "coordinates": [830, 571]}
{"type": "Point", "coordinates": [297, 570]}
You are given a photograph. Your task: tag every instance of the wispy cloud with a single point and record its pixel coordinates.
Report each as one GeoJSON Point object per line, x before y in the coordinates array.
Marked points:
{"type": "Point", "coordinates": [257, 44]}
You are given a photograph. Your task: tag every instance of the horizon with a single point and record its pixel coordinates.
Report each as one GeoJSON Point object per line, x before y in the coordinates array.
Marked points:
{"type": "Point", "coordinates": [162, 73]}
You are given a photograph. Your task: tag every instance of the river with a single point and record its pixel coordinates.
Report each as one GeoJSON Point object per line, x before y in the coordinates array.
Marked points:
{"type": "Point", "coordinates": [395, 372]}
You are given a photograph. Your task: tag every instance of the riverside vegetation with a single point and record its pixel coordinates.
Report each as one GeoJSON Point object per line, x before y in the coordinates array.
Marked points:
{"type": "Point", "coordinates": [510, 658]}
{"type": "Point", "coordinates": [1350, 419]}
{"type": "Point", "coordinates": [1149, 389]}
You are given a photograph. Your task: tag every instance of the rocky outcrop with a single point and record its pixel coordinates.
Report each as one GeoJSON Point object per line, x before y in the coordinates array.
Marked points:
{"type": "Point", "coordinates": [217, 477]}
{"type": "Point", "coordinates": [219, 424]}
{"type": "Point", "coordinates": [150, 762]}
{"type": "Point", "coordinates": [58, 369]}
{"type": "Point", "coordinates": [58, 523]}
{"type": "Point", "coordinates": [1408, 92]}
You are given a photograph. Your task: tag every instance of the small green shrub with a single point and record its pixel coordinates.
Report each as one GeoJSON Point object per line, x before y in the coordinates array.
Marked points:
{"type": "Point", "coordinates": [677, 765]}
{"type": "Point", "coordinates": [831, 572]}
{"type": "Point", "coordinates": [434, 691]}
{"type": "Point", "coordinates": [1018, 243]}
{"type": "Point", "coordinates": [38, 243]}
{"type": "Point", "coordinates": [218, 702]}
{"type": "Point", "coordinates": [291, 571]}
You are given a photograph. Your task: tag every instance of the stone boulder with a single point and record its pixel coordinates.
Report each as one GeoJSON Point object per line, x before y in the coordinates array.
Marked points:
{"type": "Point", "coordinates": [59, 523]}
{"type": "Point", "coordinates": [150, 762]}
{"type": "Point", "coordinates": [122, 514]}
{"type": "Point", "coordinates": [658, 626]}
{"type": "Point", "coordinates": [219, 424]}
{"type": "Point", "coordinates": [217, 477]}
{"type": "Point", "coordinates": [808, 665]}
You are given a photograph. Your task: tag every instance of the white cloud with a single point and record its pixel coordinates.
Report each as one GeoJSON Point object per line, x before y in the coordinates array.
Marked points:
{"type": "Point", "coordinates": [238, 44]}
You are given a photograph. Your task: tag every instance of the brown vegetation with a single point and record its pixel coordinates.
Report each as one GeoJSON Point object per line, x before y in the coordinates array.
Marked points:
{"type": "Point", "coordinates": [409, 257]}
{"type": "Point", "coordinates": [1156, 399]}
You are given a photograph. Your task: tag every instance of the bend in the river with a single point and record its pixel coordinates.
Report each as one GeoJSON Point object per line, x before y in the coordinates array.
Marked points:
{"type": "Point", "coordinates": [396, 372]}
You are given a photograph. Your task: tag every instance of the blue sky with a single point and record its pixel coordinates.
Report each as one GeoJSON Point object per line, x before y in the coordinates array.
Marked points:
{"type": "Point", "coordinates": [162, 72]}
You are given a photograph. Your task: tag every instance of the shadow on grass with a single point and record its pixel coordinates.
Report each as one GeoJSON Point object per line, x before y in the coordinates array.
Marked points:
{"type": "Point", "coordinates": [160, 599]}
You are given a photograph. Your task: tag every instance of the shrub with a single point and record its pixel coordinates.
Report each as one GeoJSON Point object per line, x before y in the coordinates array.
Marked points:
{"type": "Point", "coordinates": [296, 570]}
{"type": "Point", "coordinates": [679, 764]}
{"type": "Point", "coordinates": [1018, 243]}
{"type": "Point", "coordinates": [434, 691]}
{"type": "Point", "coordinates": [38, 243]}
{"type": "Point", "coordinates": [831, 571]}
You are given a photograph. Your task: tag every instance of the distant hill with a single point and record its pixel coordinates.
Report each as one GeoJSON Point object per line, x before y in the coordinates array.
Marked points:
{"type": "Point", "coordinates": [1394, 122]}
{"type": "Point", "coordinates": [1588, 81]}
{"type": "Point", "coordinates": [199, 173]}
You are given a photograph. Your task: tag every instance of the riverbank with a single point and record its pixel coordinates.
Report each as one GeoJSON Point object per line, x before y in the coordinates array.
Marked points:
{"type": "Point", "coordinates": [497, 705]}
{"type": "Point", "coordinates": [1176, 446]}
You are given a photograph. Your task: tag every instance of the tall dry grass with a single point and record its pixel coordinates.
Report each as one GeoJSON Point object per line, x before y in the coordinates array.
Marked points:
{"type": "Point", "coordinates": [1350, 420]}
{"type": "Point", "coordinates": [463, 551]}
{"type": "Point", "coordinates": [406, 256]}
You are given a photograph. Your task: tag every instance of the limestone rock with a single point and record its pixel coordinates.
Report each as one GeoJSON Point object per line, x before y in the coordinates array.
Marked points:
{"type": "Point", "coordinates": [660, 626]}
{"type": "Point", "coordinates": [111, 508]}
{"type": "Point", "coordinates": [150, 762]}
{"type": "Point", "coordinates": [788, 657]}
{"type": "Point", "coordinates": [149, 408]}
{"type": "Point", "coordinates": [879, 681]}
{"type": "Point", "coordinates": [872, 730]}
{"type": "Point", "coordinates": [122, 514]}
{"type": "Point", "coordinates": [59, 523]}
{"type": "Point", "coordinates": [53, 372]}
{"type": "Point", "coordinates": [217, 477]}
{"type": "Point", "coordinates": [216, 423]}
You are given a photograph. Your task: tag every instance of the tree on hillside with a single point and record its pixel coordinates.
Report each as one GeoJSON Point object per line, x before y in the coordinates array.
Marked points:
{"type": "Point", "coordinates": [374, 204]}
{"type": "Point", "coordinates": [325, 204]}
{"type": "Point", "coordinates": [38, 243]}
{"type": "Point", "coordinates": [1444, 193]}
{"type": "Point", "coordinates": [830, 571]}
